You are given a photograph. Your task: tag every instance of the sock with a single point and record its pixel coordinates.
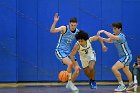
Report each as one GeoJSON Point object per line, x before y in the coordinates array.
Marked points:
{"type": "Point", "coordinates": [69, 81]}
{"type": "Point", "coordinates": [70, 76]}
{"type": "Point", "coordinates": [121, 83]}
{"type": "Point", "coordinates": [135, 79]}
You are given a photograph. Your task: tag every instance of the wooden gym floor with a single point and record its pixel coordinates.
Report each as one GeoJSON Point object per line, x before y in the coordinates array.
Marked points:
{"type": "Point", "coordinates": [103, 87]}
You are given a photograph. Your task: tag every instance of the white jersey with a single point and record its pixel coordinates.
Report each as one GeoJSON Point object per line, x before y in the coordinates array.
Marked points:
{"type": "Point", "coordinates": [86, 53]}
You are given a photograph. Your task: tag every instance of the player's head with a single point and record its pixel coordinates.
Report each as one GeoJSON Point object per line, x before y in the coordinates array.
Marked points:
{"type": "Point", "coordinates": [138, 59]}
{"type": "Point", "coordinates": [73, 23]}
{"type": "Point", "coordinates": [82, 37]}
{"type": "Point", "coordinates": [117, 27]}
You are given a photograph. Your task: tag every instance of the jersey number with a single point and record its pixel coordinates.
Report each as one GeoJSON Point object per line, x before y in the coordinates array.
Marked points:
{"type": "Point", "coordinates": [86, 51]}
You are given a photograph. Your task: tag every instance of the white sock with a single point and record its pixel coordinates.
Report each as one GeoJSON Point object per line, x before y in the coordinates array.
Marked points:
{"type": "Point", "coordinates": [69, 76]}
{"type": "Point", "coordinates": [135, 79]}
{"type": "Point", "coordinates": [121, 83]}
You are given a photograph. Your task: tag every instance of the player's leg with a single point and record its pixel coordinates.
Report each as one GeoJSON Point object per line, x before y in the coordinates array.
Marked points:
{"type": "Point", "coordinates": [75, 74]}
{"type": "Point", "coordinates": [92, 69]}
{"type": "Point", "coordinates": [115, 69]}
{"type": "Point", "coordinates": [69, 64]}
{"type": "Point", "coordinates": [134, 75]}
{"type": "Point", "coordinates": [65, 60]}
{"type": "Point", "coordinates": [89, 71]}
{"type": "Point", "coordinates": [129, 76]}
{"type": "Point", "coordinates": [85, 65]}
{"type": "Point", "coordinates": [127, 72]}
{"type": "Point", "coordinates": [135, 72]}
{"type": "Point", "coordinates": [62, 56]}
{"type": "Point", "coordinates": [92, 75]}
{"type": "Point", "coordinates": [70, 84]}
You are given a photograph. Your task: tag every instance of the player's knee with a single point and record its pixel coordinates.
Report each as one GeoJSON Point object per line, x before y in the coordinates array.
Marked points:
{"type": "Point", "coordinates": [114, 68]}
{"type": "Point", "coordinates": [77, 71]}
{"type": "Point", "coordinates": [91, 68]}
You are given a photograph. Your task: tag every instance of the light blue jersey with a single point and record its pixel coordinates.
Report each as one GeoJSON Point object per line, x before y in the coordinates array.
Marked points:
{"type": "Point", "coordinates": [122, 45]}
{"type": "Point", "coordinates": [123, 49]}
{"type": "Point", "coordinates": [63, 48]}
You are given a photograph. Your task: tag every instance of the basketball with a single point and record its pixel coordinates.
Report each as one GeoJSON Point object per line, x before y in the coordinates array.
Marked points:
{"type": "Point", "coordinates": [63, 76]}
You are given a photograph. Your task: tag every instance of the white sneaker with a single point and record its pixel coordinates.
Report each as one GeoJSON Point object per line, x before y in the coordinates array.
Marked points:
{"type": "Point", "coordinates": [120, 88]}
{"type": "Point", "coordinates": [135, 88]}
{"type": "Point", "coordinates": [71, 86]}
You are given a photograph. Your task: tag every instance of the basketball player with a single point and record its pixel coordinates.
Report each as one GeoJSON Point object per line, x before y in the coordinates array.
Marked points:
{"type": "Point", "coordinates": [119, 39]}
{"type": "Point", "coordinates": [87, 55]}
{"type": "Point", "coordinates": [67, 35]}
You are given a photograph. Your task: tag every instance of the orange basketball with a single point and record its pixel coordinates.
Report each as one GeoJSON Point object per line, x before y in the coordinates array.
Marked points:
{"type": "Point", "coordinates": [63, 76]}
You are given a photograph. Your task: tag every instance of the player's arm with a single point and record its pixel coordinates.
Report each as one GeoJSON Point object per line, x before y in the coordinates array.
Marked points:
{"type": "Point", "coordinates": [61, 29]}
{"type": "Point", "coordinates": [108, 40]}
{"type": "Point", "coordinates": [104, 48]}
{"type": "Point", "coordinates": [94, 38]}
{"type": "Point", "coordinates": [111, 36]}
{"type": "Point", "coordinates": [53, 27]}
{"type": "Point", "coordinates": [73, 53]}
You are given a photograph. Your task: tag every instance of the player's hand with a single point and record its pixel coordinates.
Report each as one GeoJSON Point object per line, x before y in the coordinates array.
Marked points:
{"type": "Point", "coordinates": [77, 68]}
{"type": "Point", "coordinates": [104, 48]}
{"type": "Point", "coordinates": [99, 32]}
{"type": "Point", "coordinates": [56, 17]}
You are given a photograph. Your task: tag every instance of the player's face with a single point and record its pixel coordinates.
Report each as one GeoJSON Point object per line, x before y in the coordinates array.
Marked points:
{"type": "Point", "coordinates": [116, 30]}
{"type": "Point", "coordinates": [73, 26]}
{"type": "Point", "coordinates": [138, 60]}
{"type": "Point", "coordinates": [82, 42]}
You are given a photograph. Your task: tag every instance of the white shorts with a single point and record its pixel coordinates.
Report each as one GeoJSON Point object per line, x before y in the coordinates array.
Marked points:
{"type": "Point", "coordinates": [85, 60]}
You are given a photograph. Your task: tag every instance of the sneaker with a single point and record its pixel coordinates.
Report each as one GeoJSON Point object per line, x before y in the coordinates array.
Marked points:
{"type": "Point", "coordinates": [120, 88]}
{"type": "Point", "coordinates": [71, 86]}
{"type": "Point", "coordinates": [135, 88]}
{"type": "Point", "coordinates": [132, 86]}
{"type": "Point", "coordinates": [93, 85]}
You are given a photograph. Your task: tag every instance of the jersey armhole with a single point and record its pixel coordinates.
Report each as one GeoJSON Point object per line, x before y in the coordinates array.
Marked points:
{"type": "Point", "coordinates": [66, 29]}
{"type": "Point", "coordinates": [89, 40]}
{"type": "Point", "coordinates": [78, 45]}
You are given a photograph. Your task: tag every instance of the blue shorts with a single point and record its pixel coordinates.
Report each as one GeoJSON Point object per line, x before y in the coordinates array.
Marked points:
{"type": "Point", "coordinates": [60, 54]}
{"type": "Point", "coordinates": [126, 59]}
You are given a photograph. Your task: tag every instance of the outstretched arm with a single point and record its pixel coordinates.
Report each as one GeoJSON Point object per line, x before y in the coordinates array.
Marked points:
{"type": "Point", "coordinates": [95, 38]}
{"type": "Point", "coordinates": [108, 40]}
{"type": "Point", "coordinates": [104, 48]}
{"type": "Point", "coordinates": [73, 53]}
{"type": "Point", "coordinates": [76, 65]}
{"type": "Point", "coordinates": [111, 36]}
{"type": "Point", "coordinates": [53, 28]}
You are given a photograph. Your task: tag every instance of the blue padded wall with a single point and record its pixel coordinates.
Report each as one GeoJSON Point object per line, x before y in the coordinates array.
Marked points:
{"type": "Point", "coordinates": [27, 48]}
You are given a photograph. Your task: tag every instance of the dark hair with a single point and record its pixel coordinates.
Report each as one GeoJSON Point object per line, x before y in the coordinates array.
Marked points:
{"type": "Point", "coordinates": [138, 56]}
{"type": "Point", "coordinates": [73, 19]}
{"type": "Point", "coordinates": [81, 35]}
{"type": "Point", "coordinates": [117, 25]}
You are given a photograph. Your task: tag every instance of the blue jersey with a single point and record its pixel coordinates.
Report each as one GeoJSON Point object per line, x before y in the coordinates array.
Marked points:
{"type": "Point", "coordinates": [65, 40]}
{"type": "Point", "coordinates": [122, 46]}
